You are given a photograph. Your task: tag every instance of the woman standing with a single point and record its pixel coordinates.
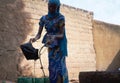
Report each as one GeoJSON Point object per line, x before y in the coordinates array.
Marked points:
{"type": "Point", "coordinates": [55, 40]}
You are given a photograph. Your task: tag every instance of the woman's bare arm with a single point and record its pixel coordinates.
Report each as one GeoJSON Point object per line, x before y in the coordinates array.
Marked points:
{"type": "Point", "coordinates": [38, 35]}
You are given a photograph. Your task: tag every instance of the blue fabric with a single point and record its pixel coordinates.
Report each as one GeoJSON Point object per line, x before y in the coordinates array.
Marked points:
{"type": "Point", "coordinates": [57, 64]}
{"type": "Point", "coordinates": [52, 29]}
{"type": "Point", "coordinates": [57, 12]}
{"type": "Point", "coordinates": [58, 48]}
{"type": "Point", "coordinates": [57, 2]}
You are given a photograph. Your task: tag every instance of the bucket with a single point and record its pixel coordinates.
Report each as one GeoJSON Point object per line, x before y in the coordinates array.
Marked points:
{"type": "Point", "coordinates": [32, 80]}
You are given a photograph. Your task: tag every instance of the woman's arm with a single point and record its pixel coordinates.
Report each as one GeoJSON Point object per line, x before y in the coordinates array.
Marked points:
{"type": "Point", "coordinates": [61, 29]}
{"type": "Point", "coordinates": [60, 34]}
{"type": "Point", "coordinates": [38, 35]}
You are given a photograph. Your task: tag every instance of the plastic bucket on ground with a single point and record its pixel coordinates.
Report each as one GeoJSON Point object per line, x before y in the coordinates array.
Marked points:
{"type": "Point", "coordinates": [46, 79]}
{"type": "Point", "coordinates": [32, 80]}
{"type": "Point", "coordinates": [24, 80]}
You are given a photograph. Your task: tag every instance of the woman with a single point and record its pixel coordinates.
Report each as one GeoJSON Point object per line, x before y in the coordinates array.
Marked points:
{"type": "Point", "coordinates": [55, 40]}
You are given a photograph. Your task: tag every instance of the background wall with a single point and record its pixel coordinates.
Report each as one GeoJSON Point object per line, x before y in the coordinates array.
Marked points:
{"type": "Point", "coordinates": [107, 46]}
{"type": "Point", "coordinates": [81, 56]}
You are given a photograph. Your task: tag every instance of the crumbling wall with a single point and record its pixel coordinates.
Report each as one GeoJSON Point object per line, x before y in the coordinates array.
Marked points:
{"type": "Point", "coordinates": [107, 46]}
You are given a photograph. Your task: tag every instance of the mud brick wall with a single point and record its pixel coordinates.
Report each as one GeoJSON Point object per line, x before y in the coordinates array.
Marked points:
{"type": "Point", "coordinates": [107, 46]}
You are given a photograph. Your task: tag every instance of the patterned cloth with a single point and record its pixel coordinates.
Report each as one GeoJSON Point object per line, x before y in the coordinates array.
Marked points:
{"type": "Point", "coordinates": [56, 13]}
{"type": "Point", "coordinates": [58, 50]}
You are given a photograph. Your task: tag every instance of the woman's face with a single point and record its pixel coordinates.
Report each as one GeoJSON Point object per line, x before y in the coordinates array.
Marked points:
{"type": "Point", "coordinates": [52, 8]}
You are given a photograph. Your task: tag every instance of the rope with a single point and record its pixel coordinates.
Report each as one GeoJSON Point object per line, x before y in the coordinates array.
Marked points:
{"type": "Point", "coordinates": [41, 61]}
{"type": "Point", "coordinates": [39, 53]}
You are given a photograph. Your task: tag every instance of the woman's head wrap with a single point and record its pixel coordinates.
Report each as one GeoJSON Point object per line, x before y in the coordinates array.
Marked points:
{"type": "Point", "coordinates": [57, 3]}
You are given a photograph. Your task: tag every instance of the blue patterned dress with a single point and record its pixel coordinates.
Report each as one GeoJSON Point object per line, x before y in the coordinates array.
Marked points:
{"type": "Point", "coordinates": [58, 49]}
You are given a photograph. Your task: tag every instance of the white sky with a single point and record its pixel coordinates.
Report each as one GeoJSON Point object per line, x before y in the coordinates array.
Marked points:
{"type": "Point", "coordinates": [104, 10]}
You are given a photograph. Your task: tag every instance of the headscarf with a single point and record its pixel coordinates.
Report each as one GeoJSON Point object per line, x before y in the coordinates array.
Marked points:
{"type": "Point", "coordinates": [57, 12]}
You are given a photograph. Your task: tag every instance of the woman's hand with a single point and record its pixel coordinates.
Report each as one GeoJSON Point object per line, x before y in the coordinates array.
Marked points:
{"type": "Point", "coordinates": [32, 40]}
{"type": "Point", "coordinates": [50, 38]}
